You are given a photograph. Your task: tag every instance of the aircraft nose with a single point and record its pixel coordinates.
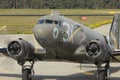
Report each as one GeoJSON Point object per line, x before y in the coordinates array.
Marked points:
{"type": "Point", "coordinates": [42, 34]}
{"type": "Point", "coordinates": [43, 30]}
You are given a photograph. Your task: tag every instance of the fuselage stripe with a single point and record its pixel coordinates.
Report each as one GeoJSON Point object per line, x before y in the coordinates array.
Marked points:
{"type": "Point", "coordinates": [73, 34]}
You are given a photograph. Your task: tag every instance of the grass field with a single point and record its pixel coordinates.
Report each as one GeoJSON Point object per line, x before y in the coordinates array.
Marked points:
{"type": "Point", "coordinates": [62, 11]}
{"type": "Point", "coordinates": [24, 24]}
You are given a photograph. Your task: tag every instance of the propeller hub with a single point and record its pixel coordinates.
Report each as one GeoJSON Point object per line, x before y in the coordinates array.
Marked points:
{"type": "Point", "coordinates": [14, 48]}
{"type": "Point", "coordinates": [92, 49]}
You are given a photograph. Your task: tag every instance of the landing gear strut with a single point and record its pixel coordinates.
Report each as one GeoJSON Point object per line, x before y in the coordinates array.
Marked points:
{"type": "Point", "coordinates": [27, 70]}
{"type": "Point", "coordinates": [103, 72]}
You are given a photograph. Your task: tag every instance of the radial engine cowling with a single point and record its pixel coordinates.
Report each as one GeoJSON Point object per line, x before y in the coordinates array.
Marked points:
{"type": "Point", "coordinates": [97, 50]}
{"type": "Point", "coordinates": [20, 50]}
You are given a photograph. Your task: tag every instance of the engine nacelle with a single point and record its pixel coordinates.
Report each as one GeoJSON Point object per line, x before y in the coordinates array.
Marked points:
{"type": "Point", "coordinates": [20, 50]}
{"type": "Point", "coordinates": [97, 50]}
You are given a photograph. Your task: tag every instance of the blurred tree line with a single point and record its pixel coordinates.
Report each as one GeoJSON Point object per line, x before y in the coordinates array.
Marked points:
{"type": "Point", "coordinates": [60, 4]}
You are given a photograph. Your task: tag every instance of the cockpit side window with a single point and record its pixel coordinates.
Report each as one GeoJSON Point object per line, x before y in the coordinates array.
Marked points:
{"type": "Point", "coordinates": [77, 25]}
{"type": "Point", "coordinates": [41, 21]}
{"type": "Point", "coordinates": [60, 23]}
{"type": "Point", "coordinates": [55, 22]}
{"type": "Point", "coordinates": [49, 21]}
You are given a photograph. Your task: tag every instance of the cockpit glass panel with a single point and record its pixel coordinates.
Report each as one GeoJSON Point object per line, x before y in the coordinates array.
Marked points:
{"type": "Point", "coordinates": [40, 21]}
{"type": "Point", "coordinates": [56, 22]}
{"type": "Point", "coordinates": [77, 26]}
{"type": "Point", "coordinates": [49, 21]}
{"type": "Point", "coordinates": [59, 23]}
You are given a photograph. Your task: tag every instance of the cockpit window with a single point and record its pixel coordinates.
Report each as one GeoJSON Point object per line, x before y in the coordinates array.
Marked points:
{"type": "Point", "coordinates": [56, 22]}
{"type": "Point", "coordinates": [77, 25]}
{"type": "Point", "coordinates": [49, 21]}
{"type": "Point", "coordinates": [40, 21]}
{"type": "Point", "coordinates": [52, 22]}
{"type": "Point", "coordinates": [59, 23]}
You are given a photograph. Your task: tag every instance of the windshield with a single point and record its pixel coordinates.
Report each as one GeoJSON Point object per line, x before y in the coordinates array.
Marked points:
{"type": "Point", "coordinates": [40, 21]}
{"type": "Point", "coordinates": [49, 22]}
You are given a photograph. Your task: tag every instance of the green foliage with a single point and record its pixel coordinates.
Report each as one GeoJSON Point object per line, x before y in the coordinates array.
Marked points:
{"type": "Point", "coordinates": [25, 24]}
{"type": "Point", "coordinates": [60, 4]}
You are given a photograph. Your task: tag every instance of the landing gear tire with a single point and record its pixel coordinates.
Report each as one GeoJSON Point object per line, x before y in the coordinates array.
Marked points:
{"type": "Point", "coordinates": [107, 74]}
{"type": "Point", "coordinates": [27, 70]}
{"type": "Point", "coordinates": [26, 74]}
{"type": "Point", "coordinates": [103, 75]}
{"type": "Point", "coordinates": [103, 72]}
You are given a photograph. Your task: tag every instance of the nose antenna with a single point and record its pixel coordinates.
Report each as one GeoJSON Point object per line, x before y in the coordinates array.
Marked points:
{"type": "Point", "coordinates": [55, 12]}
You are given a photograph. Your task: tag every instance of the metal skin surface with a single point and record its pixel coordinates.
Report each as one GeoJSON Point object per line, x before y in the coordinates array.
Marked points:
{"type": "Point", "coordinates": [67, 40]}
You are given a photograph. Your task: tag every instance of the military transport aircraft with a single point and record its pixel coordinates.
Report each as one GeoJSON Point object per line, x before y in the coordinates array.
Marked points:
{"type": "Point", "coordinates": [65, 39]}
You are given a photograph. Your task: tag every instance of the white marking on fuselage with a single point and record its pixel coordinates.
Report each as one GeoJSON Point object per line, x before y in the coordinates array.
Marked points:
{"type": "Point", "coordinates": [68, 31]}
{"type": "Point", "coordinates": [55, 33]}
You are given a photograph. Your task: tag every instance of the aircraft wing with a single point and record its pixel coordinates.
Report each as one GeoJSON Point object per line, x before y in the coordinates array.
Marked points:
{"type": "Point", "coordinates": [3, 51]}
{"type": "Point", "coordinates": [114, 34]}
{"type": "Point", "coordinates": [114, 37]}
